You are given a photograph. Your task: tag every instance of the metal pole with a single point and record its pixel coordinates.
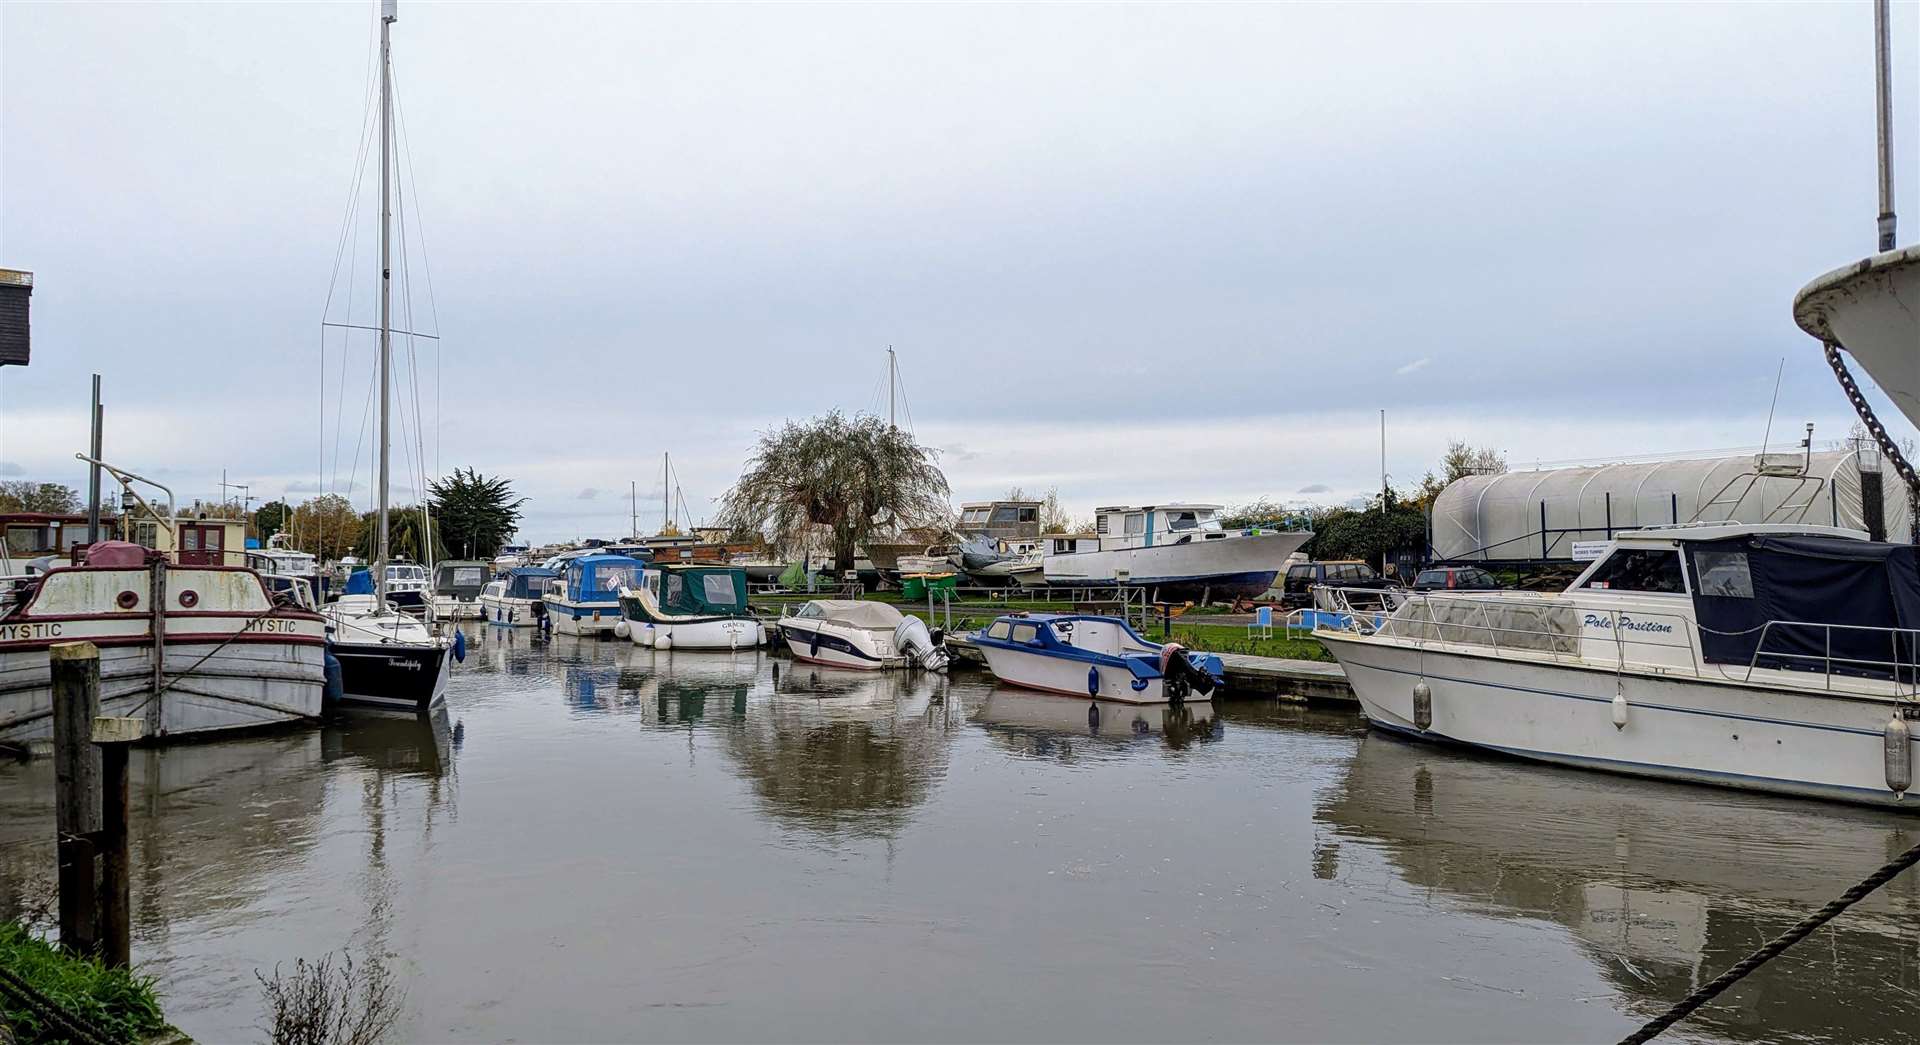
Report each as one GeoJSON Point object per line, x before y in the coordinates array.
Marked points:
{"type": "Point", "coordinates": [388, 14]}
{"type": "Point", "coordinates": [1383, 460]}
{"type": "Point", "coordinates": [93, 470]}
{"type": "Point", "coordinates": [1883, 85]}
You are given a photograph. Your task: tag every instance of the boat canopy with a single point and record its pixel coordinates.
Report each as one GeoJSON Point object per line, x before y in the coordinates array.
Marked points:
{"type": "Point", "coordinates": [699, 590]}
{"type": "Point", "coordinates": [1807, 603]}
{"type": "Point", "coordinates": [528, 582]}
{"type": "Point", "coordinates": [854, 613]}
{"type": "Point", "coordinates": [599, 578]}
{"type": "Point", "coordinates": [461, 577]}
{"type": "Point", "coordinates": [1540, 515]}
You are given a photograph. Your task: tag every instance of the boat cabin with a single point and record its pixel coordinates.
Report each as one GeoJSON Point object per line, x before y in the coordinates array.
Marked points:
{"type": "Point", "coordinates": [999, 519]}
{"type": "Point", "coordinates": [30, 535]}
{"type": "Point", "coordinates": [705, 591]}
{"type": "Point", "coordinates": [459, 578]}
{"type": "Point", "coordinates": [190, 540]}
{"type": "Point", "coordinates": [524, 582]}
{"type": "Point", "coordinates": [1069, 543]}
{"type": "Point", "coordinates": [1144, 527]}
{"type": "Point", "coordinates": [595, 578]}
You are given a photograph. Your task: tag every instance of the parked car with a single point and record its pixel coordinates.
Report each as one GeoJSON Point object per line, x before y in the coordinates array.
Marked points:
{"type": "Point", "coordinates": [1455, 578]}
{"type": "Point", "coordinates": [1303, 577]}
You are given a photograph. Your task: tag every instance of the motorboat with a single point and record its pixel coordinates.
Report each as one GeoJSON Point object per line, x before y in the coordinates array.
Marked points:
{"type": "Point", "coordinates": [457, 584]}
{"type": "Point", "coordinates": [854, 633]}
{"type": "Point", "coordinates": [516, 599]}
{"type": "Point", "coordinates": [1177, 552]}
{"type": "Point", "coordinates": [1767, 657]}
{"type": "Point", "coordinates": [677, 606]}
{"type": "Point", "coordinates": [584, 599]}
{"type": "Point", "coordinates": [408, 588]}
{"type": "Point", "coordinates": [510, 557]}
{"type": "Point", "coordinates": [191, 650]}
{"type": "Point", "coordinates": [283, 567]}
{"type": "Point", "coordinates": [1011, 559]}
{"type": "Point", "coordinates": [1096, 657]}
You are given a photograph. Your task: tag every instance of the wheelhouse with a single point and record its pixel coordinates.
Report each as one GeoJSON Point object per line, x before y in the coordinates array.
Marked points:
{"type": "Point", "coordinates": [597, 578]}
{"type": "Point", "coordinates": [1000, 519]}
{"type": "Point", "coordinates": [1150, 525]}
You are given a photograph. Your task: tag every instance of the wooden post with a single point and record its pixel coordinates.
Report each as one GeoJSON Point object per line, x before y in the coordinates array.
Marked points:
{"type": "Point", "coordinates": [76, 773]}
{"type": "Point", "coordinates": [114, 736]}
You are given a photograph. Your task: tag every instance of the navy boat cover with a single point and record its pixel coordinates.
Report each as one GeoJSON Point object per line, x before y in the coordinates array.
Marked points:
{"type": "Point", "coordinates": [1863, 588]}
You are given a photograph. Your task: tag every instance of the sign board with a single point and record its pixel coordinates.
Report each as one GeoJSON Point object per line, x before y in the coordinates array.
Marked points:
{"type": "Point", "coordinates": [1587, 551]}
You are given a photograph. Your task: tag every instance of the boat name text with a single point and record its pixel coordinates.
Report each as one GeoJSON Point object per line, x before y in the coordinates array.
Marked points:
{"type": "Point", "coordinates": [1595, 620]}
{"type": "Point", "coordinates": [19, 632]}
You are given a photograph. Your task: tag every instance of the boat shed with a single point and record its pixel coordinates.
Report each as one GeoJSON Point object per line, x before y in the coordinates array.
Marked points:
{"type": "Point", "coordinates": [1562, 514]}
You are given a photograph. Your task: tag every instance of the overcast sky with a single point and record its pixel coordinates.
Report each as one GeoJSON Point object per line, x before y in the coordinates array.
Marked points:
{"type": "Point", "coordinates": [1134, 252]}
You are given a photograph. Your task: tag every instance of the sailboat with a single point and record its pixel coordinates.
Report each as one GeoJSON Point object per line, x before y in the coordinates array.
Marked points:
{"type": "Point", "coordinates": [388, 659]}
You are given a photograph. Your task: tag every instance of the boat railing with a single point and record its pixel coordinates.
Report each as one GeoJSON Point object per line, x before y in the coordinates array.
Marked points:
{"type": "Point", "coordinates": [1901, 664]}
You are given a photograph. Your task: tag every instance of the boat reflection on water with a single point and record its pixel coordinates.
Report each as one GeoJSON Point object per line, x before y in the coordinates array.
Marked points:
{"type": "Point", "coordinates": [1048, 724]}
{"type": "Point", "coordinates": [841, 752]}
{"type": "Point", "coordinates": [666, 687]}
{"type": "Point", "coordinates": [1663, 886]}
{"type": "Point", "coordinates": [422, 745]}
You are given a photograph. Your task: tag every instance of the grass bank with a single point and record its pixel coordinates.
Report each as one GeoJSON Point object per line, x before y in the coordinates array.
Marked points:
{"type": "Point", "coordinates": [117, 1001]}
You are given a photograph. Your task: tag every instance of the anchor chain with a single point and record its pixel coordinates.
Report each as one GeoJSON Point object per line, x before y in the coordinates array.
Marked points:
{"type": "Point", "coordinates": [1888, 449]}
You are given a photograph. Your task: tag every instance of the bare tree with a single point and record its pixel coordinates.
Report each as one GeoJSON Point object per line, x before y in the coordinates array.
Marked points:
{"type": "Point", "coordinates": [329, 1003]}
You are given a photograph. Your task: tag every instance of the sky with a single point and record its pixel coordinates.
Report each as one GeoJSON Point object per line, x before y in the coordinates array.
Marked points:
{"type": "Point", "coordinates": [1134, 252]}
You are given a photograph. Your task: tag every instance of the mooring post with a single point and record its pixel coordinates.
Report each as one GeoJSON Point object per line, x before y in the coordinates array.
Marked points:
{"type": "Point", "coordinates": [75, 667]}
{"type": "Point", "coordinates": [114, 736]}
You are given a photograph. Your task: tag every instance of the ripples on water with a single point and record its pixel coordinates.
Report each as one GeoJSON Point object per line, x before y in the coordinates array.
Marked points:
{"type": "Point", "coordinates": [600, 842]}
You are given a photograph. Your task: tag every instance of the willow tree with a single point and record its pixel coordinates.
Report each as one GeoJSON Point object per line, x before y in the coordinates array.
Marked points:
{"type": "Point", "coordinates": [838, 474]}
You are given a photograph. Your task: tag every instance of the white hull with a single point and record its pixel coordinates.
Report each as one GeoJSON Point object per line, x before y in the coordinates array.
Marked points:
{"type": "Point", "coordinates": [840, 647]}
{"type": "Point", "coordinates": [1872, 308]}
{"type": "Point", "coordinates": [596, 618]}
{"type": "Point", "coordinates": [447, 607]}
{"type": "Point", "coordinates": [1223, 567]}
{"type": "Point", "coordinates": [1069, 678]}
{"type": "Point", "coordinates": [729, 634]}
{"type": "Point", "coordinates": [1799, 742]}
{"type": "Point", "coordinates": [512, 613]}
{"type": "Point", "coordinates": [210, 689]}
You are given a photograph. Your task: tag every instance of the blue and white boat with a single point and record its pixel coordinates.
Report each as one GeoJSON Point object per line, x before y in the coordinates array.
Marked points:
{"type": "Point", "coordinates": [515, 599]}
{"type": "Point", "coordinates": [1103, 658]}
{"type": "Point", "coordinates": [1178, 552]}
{"type": "Point", "coordinates": [585, 598]}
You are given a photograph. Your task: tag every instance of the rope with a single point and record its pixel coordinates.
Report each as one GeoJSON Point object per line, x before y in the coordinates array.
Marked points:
{"type": "Point", "coordinates": [51, 1013]}
{"type": "Point", "coordinates": [1773, 947]}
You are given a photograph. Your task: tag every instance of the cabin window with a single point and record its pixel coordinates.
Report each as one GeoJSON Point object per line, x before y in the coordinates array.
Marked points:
{"type": "Point", "coordinates": [676, 586]}
{"type": "Point", "coordinates": [998, 630]}
{"type": "Point", "coordinates": [1724, 574]}
{"type": "Point", "coordinates": [1028, 515]}
{"type": "Point", "coordinates": [466, 576]}
{"type": "Point", "coordinates": [719, 589]}
{"type": "Point", "coordinates": [1640, 569]}
{"type": "Point", "coordinates": [1024, 633]}
{"type": "Point", "coordinates": [1100, 525]}
{"type": "Point", "coordinates": [1136, 525]}
{"type": "Point", "coordinates": [1006, 513]}
{"type": "Point", "coordinates": [1182, 521]}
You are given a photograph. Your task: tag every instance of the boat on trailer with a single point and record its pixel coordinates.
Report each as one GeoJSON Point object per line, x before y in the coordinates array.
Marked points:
{"type": "Point", "coordinates": [1097, 657]}
{"type": "Point", "coordinates": [516, 599]}
{"type": "Point", "coordinates": [679, 606]}
{"type": "Point", "coordinates": [1178, 552]}
{"type": "Point", "coordinates": [1765, 657]}
{"type": "Point", "coordinates": [191, 650]}
{"type": "Point", "coordinates": [854, 633]}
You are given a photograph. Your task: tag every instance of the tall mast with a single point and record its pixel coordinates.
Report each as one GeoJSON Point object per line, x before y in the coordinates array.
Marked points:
{"type": "Point", "coordinates": [893, 379]}
{"type": "Point", "coordinates": [1883, 112]}
{"type": "Point", "coordinates": [389, 11]}
{"type": "Point", "coordinates": [666, 490]}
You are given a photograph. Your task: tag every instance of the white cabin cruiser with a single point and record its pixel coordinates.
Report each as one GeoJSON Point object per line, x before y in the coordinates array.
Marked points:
{"type": "Point", "coordinates": [584, 597]}
{"type": "Point", "coordinates": [1179, 552]}
{"type": "Point", "coordinates": [516, 599]}
{"type": "Point", "coordinates": [689, 606]}
{"type": "Point", "coordinates": [457, 584]}
{"type": "Point", "coordinates": [1765, 657]}
{"type": "Point", "coordinates": [853, 633]}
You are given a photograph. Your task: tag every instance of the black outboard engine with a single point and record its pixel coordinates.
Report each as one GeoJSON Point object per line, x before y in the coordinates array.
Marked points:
{"type": "Point", "coordinates": [1182, 677]}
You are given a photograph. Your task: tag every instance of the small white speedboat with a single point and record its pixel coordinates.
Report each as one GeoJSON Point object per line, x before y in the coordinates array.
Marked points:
{"type": "Point", "coordinates": [852, 633]}
{"type": "Point", "coordinates": [1101, 658]}
{"type": "Point", "coordinates": [515, 599]}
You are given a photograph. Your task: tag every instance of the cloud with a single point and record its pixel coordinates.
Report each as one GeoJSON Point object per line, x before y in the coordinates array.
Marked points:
{"type": "Point", "coordinates": [9, 468]}
{"type": "Point", "coordinates": [1317, 488]}
{"type": "Point", "coordinates": [309, 486]}
{"type": "Point", "coordinates": [959, 452]}
{"type": "Point", "coordinates": [587, 494]}
{"type": "Point", "coordinates": [1413, 366]}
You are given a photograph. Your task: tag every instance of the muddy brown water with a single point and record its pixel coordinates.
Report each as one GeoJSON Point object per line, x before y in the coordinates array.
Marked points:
{"type": "Point", "coordinates": [598, 842]}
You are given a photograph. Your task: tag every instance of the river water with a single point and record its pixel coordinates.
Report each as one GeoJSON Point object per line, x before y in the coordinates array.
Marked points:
{"type": "Point", "coordinates": [598, 842]}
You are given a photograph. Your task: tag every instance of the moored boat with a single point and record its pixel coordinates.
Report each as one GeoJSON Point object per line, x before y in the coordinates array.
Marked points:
{"type": "Point", "coordinates": [853, 633]}
{"type": "Point", "coordinates": [1178, 552]}
{"type": "Point", "coordinates": [1100, 658]}
{"type": "Point", "coordinates": [457, 584]}
{"type": "Point", "coordinates": [678, 606]}
{"type": "Point", "coordinates": [1755, 656]}
{"type": "Point", "coordinates": [516, 598]}
{"type": "Point", "coordinates": [189, 649]}
{"type": "Point", "coordinates": [584, 599]}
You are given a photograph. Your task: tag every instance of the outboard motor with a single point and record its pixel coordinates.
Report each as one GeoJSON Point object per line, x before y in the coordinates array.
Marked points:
{"type": "Point", "coordinates": [1181, 675]}
{"type": "Point", "coordinates": [912, 637]}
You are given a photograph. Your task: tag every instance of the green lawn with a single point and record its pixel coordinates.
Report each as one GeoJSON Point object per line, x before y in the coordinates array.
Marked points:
{"type": "Point", "coordinates": [1231, 638]}
{"type": "Point", "coordinates": [115, 1000]}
